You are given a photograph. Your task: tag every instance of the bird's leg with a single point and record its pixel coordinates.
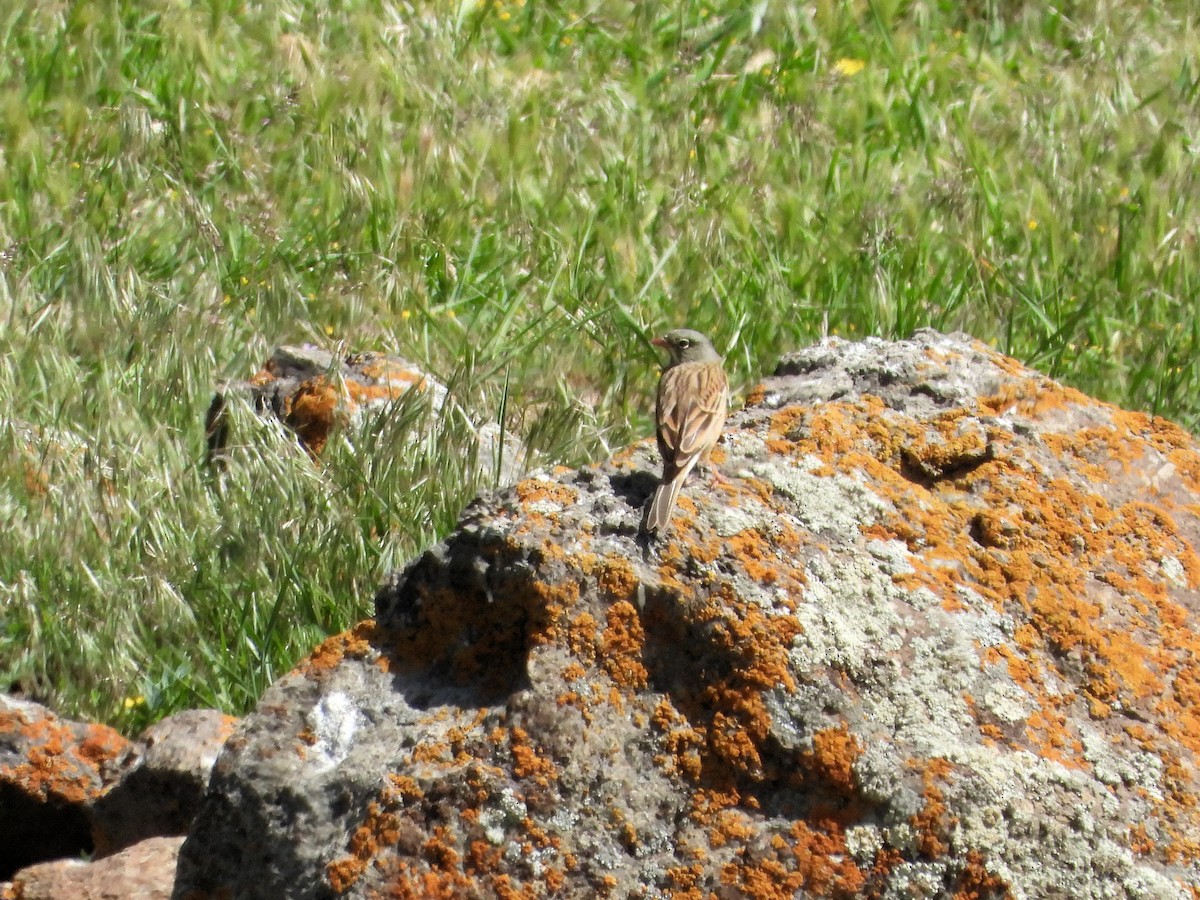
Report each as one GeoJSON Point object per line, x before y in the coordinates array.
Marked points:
{"type": "Point", "coordinates": [714, 474]}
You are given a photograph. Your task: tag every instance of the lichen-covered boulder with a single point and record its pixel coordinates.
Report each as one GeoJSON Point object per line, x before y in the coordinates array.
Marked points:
{"type": "Point", "coordinates": [51, 769]}
{"type": "Point", "coordinates": [935, 636]}
{"type": "Point", "coordinates": [313, 393]}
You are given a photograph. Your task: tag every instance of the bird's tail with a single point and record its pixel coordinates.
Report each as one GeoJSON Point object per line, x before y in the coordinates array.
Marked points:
{"type": "Point", "coordinates": [658, 517]}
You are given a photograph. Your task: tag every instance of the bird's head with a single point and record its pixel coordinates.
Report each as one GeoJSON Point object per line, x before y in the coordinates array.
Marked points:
{"type": "Point", "coordinates": [686, 345]}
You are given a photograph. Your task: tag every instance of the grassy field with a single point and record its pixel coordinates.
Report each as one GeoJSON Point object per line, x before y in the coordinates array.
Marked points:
{"type": "Point", "coordinates": [516, 196]}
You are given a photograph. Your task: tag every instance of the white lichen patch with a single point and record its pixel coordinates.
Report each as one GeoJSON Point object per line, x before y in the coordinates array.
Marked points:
{"type": "Point", "coordinates": [848, 616]}
{"type": "Point", "coordinates": [864, 842]}
{"type": "Point", "coordinates": [996, 809]}
{"type": "Point", "coordinates": [730, 520]}
{"type": "Point", "coordinates": [1007, 702]}
{"type": "Point", "coordinates": [1173, 571]}
{"type": "Point", "coordinates": [1113, 765]}
{"type": "Point", "coordinates": [506, 810]}
{"type": "Point", "coordinates": [893, 557]}
{"type": "Point", "coordinates": [836, 506]}
{"type": "Point", "coordinates": [333, 722]}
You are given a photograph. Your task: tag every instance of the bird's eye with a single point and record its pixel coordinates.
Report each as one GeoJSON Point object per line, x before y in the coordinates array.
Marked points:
{"type": "Point", "coordinates": [684, 343]}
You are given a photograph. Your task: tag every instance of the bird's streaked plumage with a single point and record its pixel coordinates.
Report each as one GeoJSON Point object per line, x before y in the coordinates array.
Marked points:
{"type": "Point", "coordinates": [693, 397]}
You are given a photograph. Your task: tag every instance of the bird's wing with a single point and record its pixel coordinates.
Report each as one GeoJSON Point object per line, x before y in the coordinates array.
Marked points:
{"type": "Point", "coordinates": [692, 402]}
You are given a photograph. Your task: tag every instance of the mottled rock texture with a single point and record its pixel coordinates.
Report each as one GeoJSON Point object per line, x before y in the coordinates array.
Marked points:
{"type": "Point", "coordinates": [935, 637]}
{"type": "Point", "coordinates": [162, 781]}
{"type": "Point", "coordinates": [50, 770]}
{"type": "Point", "coordinates": [144, 871]}
{"type": "Point", "coordinates": [70, 789]}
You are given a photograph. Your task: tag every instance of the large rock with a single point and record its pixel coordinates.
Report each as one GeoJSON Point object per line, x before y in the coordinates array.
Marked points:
{"type": "Point", "coordinates": [51, 769]}
{"type": "Point", "coordinates": [935, 638]}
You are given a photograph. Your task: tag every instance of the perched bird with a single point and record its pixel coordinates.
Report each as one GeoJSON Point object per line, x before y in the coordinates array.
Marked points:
{"type": "Point", "coordinates": [693, 396]}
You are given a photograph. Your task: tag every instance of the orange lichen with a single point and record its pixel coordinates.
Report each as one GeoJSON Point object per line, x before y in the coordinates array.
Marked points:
{"type": "Point", "coordinates": [395, 377]}
{"type": "Point", "coordinates": [1139, 840]}
{"type": "Point", "coordinates": [60, 762]}
{"type": "Point", "coordinates": [379, 829]}
{"type": "Point", "coordinates": [528, 764]}
{"type": "Point", "coordinates": [313, 411]}
{"type": "Point", "coordinates": [830, 763]}
{"type": "Point", "coordinates": [582, 636]}
{"type": "Point", "coordinates": [616, 579]}
{"type": "Point", "coordinates": [685, 881]}
{"type": "Point", "coordinates": [976, 883]}
{"type": "Point", "coordinates": [408, 881]}
{"type": "Point", "coordinates": [621, 646]}
{"type": "Point", "coordinates": [270, 372]}
{"type": "Point", "coordinates": [757, 556]}
{"type": "Point", "coordinates": [944, 449]}
{"type": "Point", "coordinates": [439, 849]}
{"type": "Point", "coordinates": [804, 861]}
{"type": "Point", "coordinates": [683, 742]}
{"type": "Point", "coordinates": [934, 822]}
{"type": "Point", "coordinates": [533, 490]}
{"type": "Point", "coordinates": [329, 654]}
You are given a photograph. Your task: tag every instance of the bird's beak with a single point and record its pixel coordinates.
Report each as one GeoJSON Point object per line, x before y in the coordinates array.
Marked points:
{"type": "Point", "coordinates": [659, 342]}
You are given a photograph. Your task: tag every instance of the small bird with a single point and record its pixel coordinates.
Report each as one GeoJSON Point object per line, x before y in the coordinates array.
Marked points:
{"type": "Point", "coordinates": [693, 398]}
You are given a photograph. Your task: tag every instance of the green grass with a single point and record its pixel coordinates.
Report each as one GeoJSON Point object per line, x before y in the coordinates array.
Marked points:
{"type": "Point", "coordinates": [515, 196]}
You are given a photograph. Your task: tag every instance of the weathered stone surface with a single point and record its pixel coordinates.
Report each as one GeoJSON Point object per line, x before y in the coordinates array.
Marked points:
{"type": "Point", "coordinates": [50, 769]}
{"type": "Point", "coordinates": [161, 784]}
{"type": "Point", "coordinates": [314, 394]}
{"type": "Point", "coordinates": [935, 638]}
{"type": "Point", "coordinates": [144, 871]}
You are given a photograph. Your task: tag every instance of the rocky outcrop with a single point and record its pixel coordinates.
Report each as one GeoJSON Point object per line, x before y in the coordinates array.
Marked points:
{"type": "Point", "coordinates": [50, 771]}
{"type": "Point", "coordinates": [936, 637]}
{"type": "Point", "coordinates": [315, 394]}
{"type": "Point", "coordinates": [70, 789]}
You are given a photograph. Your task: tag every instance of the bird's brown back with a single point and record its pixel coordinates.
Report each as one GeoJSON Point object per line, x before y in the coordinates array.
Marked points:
{"type": "Point", "coordinates": [691, 408]}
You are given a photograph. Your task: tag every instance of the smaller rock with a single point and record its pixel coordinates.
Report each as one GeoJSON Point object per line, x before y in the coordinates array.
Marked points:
{"type": "Point", "coordinates": [162, 782]}
{"type": "Point", "coordinates": [50, 770]}
{"type": "Point", "coordinates": [145, 871]}
{"type": "Point", "coordinates": [313, 393]}
{"type": "Point", "coordinates": [44, 456]}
